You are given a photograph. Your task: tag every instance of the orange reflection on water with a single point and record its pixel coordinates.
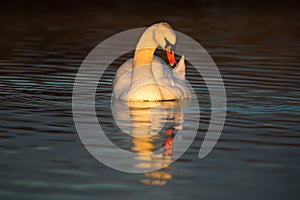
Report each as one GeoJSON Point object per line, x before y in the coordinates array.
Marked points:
{"type": "Point", "coordinates": [152, 126]}
{"type": "Point", "coordinates": [147, 120]}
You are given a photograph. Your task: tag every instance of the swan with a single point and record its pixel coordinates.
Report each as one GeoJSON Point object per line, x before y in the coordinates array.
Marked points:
{"type": "Point", "coordinates": [147, 77]}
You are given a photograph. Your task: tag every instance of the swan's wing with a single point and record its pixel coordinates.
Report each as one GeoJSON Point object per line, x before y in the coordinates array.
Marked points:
{"type": "Point", "coordinates": [128, 65]}
{"type": "Point", "coordinates": [159, 61]}
{"type": "Point", "coordinates": [159, 68]}
{"type": "Point", "coordinates": [124, 68]}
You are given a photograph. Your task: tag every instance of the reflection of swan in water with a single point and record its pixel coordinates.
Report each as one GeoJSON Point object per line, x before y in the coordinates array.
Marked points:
{"type": "Point", "coordinates": [147, 123]}
{"type": "Point", "coordinates": [147, 77]}
{"type": "Point", "coordinates": [145, 119]}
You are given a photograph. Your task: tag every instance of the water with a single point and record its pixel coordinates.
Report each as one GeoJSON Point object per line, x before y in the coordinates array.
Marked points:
{"type": "Point", "coordinates": [42, 157]}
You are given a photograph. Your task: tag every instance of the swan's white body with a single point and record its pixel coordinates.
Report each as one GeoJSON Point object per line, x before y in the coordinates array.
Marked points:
{"type": "Point", "coordinates": [147, 77]}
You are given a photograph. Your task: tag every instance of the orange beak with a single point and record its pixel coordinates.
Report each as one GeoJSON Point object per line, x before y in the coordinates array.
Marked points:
{"type": "Point", "coordinates": [171, 56]}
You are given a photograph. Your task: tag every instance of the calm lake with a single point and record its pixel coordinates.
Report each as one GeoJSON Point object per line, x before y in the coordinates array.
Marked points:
{"type": "Point", "coordinates": [256, 50]}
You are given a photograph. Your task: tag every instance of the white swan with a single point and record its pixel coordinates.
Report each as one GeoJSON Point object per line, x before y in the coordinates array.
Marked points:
{"type": "Point", "coordinates": [146, 77]}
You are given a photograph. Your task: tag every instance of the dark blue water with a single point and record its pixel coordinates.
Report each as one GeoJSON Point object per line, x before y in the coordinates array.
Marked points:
{"type": "Point", "coordinates": [257, 156]}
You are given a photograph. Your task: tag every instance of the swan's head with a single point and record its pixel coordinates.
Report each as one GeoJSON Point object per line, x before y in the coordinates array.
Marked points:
{"type": "Point", "coordinates": [165, 36]}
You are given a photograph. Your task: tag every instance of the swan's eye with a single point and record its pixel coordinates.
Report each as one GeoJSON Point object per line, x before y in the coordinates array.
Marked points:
{"type": "Point", "coordinates": [169, 44]}
{"type": "Point", "coordinates": [172, 48]}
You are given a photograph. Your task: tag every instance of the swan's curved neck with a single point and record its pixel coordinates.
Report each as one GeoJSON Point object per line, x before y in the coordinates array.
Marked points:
{"type": "Point", "coordinates": [145, 48]}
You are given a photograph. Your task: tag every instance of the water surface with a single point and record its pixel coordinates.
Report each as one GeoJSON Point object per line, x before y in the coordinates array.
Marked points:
{"type": "Point", "coordinates": [257, 156]}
